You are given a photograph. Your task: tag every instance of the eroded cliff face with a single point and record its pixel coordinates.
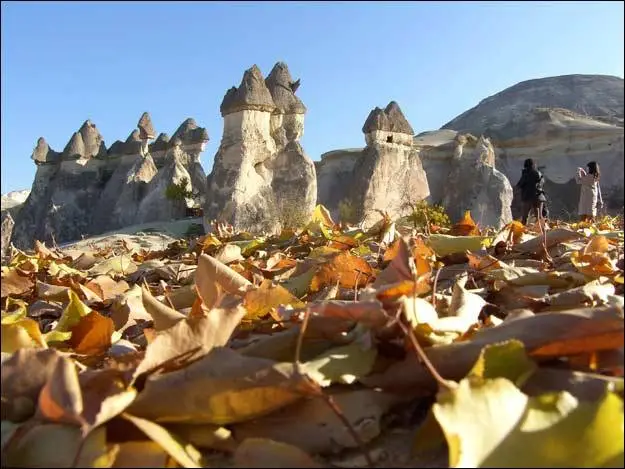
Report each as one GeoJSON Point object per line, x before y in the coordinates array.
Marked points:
{"type": "Point", "coordinates": [386, 175]}
{"type": "Point", "coordinates": [599, 96]}
{"type": "Point", "coordinates": [463, 176]}
{"type": "Point", "coordinates": [87, 190]}
{"type": "Point", "coordinates": [261, 179]}
{"type": "Point", "coordinates": [563, 123]}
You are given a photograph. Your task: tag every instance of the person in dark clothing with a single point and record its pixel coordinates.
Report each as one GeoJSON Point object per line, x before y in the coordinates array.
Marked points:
{"type": "Point", "coordinates": [532, 193]}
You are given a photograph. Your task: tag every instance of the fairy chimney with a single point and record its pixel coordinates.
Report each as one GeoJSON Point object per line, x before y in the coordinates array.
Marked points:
{"type": "Point", "coordinates": [146, 132]}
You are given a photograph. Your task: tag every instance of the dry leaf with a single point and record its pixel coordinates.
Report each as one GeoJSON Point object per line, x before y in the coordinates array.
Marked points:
{"type": "Point", "coordinates": [92, 335]}
{"type": "Point", "coordinates": [348, 270]}
{"type": "Point", "coordinates": [261, 452]}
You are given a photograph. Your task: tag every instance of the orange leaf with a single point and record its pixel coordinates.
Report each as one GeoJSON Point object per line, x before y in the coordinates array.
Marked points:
{"type": "Point", "coordinates": [392, 251]}
{"type": "Point", "coordinates": [405, 288]}
{"type": "Point", "coordinates": [343, 242]}
{"type": "Point", "coordinates": [593, 338]}
{"type": "Point", "coordinates": [349, 271]}
{"type": "Point", "coordinates": [465, 227]}
{"type": "Point", "coordinates": [485, 263]}
{"type": "Point", "coordinates": [92, 335]}
{"type": "Point", "coordinates": [598, 244]}
{"type": "Point", "coordinates": [516, 231]}
{"type": "Point", "coordinates": [423, 256]}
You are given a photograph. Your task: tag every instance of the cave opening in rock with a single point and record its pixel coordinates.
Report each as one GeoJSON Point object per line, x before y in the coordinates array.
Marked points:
{"type": "Point", "coordinates": [389, 139]}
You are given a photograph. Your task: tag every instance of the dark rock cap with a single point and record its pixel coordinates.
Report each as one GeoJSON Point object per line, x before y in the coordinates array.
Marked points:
{"type": "Point", "coordinates": [117, 148]}
{"type": "Point", "coordinates": [390, 119]}
{"type": "Point", "coordinates": [251, 94]}
{"type": "Point", "coordinates": [145, 127]}
{"type": "Point", "coordinates": [75, 148]}
{"type": "Point", "coordinates": [132, 145]}
{"type": "Point", "coordinates": [135, 136]}
{"type": "Point", "coordinates": [160, 144]}
{"type": "Point", "coordinates": [92, 140]}
{"type": "Point", "coordinates": [282, 89]}
{"type": "Point", "coordinates": [43, 153]}
{"type": "Point", "coordinates": [189, 132]}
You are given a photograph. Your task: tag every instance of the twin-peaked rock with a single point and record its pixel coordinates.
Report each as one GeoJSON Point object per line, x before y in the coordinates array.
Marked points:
{"type": "Point", "coordinates": [386, 175]}
{"type": "Point", "coordinates": [261, 179]}
{"type": "Point", "coordinates": [87, 189]}
{"type": "Point", "coordinates": [462, 175]}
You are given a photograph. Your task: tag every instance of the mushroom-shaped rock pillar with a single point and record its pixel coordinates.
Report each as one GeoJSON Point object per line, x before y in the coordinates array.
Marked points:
{"type": "Point", "coordinates": [261, 179]}
{"type": "Point", "coordinates": [146, 132]}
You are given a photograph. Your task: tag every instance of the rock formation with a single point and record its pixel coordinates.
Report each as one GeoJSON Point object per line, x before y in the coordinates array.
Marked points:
{"type": "Point", "coordinates": [386, 175]}
{"type": "Point", "coordinates": [6, 229]}
{"type": "Point", "coordinates": [562, 122]}
{"type": "Point", "coordinates": [87, 189]}
{"type": "Point", "coordinates": [589, 95]}
{"type": "Point", "coordinates": [261, 178]}
{"type": "Point", "coordinates": [466, 164]}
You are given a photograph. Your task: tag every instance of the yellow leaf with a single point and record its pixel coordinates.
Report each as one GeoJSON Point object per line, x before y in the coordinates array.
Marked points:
{"type": "Point", "coordinates": [184, 454]}
{"type": "Point", "coordinates": [490, 423]}
{"type": "Point", "coordinates": [342, 365]}
{"type": "Point", "coordinates": [503, 360]}
{"type": "Point", "coordinates": [262, 300]}
{"type": "Point", "coordinates": [72, 313]}
{"type": "Point", "coordinates": [322, 215]}
{"type": "Point", "coordinates": [23, 333]}
{"type": "Point", "coordinates": [447, 244]}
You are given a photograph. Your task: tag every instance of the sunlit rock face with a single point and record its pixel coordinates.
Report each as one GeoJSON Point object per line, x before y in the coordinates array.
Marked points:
{"type": "Point", "coordinates": [562, 122]}
{"type": "Point", "coordinates": [387, 175]}
{"type": "Point", "coordinates": [87, 189]}
{"type": "Point", "coordinates": [261, 179]}
{"type": "Point", "coordinates": [462, 175]}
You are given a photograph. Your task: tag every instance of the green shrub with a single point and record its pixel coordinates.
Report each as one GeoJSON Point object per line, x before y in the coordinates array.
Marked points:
{"type": "Point", "coordinates": [347, 211]}
{"type": "Point", "coordinates": [179, 191]}
{"type": "Point", "coordinates": [424, 214]}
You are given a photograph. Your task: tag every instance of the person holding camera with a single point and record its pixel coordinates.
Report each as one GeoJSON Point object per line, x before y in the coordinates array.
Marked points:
{"type": "Point", "coordinates": [590, 194]}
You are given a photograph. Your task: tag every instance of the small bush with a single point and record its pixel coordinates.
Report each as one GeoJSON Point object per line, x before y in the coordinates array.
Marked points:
{"type": "Point", "coordinates": [424, 214]}
{"type": "Point", "coordinates": [347, 211]}
{"type": "Point", "coordinates": [179, 191]}
{"type": "Point", "coordinates": [290, 215]}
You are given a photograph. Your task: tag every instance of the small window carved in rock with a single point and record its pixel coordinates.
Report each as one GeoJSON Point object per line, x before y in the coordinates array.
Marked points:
{"type": "Point", "coordinates": [389, 139]}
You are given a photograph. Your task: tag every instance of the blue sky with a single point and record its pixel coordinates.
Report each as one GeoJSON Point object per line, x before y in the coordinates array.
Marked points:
{"type": "Point", "coordinates": [64, 62]}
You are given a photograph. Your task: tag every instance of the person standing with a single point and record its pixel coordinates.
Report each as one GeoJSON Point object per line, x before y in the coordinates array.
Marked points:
{"type": "Point", "coordinates": [590, 193]}
{"type": "Point", "coordinates": [532, 193]}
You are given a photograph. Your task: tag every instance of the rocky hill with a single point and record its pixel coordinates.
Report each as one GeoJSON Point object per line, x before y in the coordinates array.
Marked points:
{"type": "Point", "coordinates": [597, 96]}
{"type": "Point", "coordinates": [563, 122]}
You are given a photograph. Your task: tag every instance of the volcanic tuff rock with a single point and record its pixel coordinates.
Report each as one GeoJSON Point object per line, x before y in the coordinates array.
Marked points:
{"type": "Point", "coordinates": [589, 95]}
{"type": "Point", "coordinates": [390, 119]}
{"type": "Point", "coordinates": [386, 175]}
{"type": "Point", "coordinates": [43, 153]}
{"type": "Point", "coordinates": [562, 122]}
{"type": "Point", "coordinates": [146, 128]}
{"type": "Point", "coordinates": [261, 177]}
{"type": "Point", "coordinates": [251, 95]}
{"type": "Point", "coordinates": [88, 190]}
{"type": "Point", "coordinates": [6, 229]}
{"type": "Point", "coordinates": [466, 164]}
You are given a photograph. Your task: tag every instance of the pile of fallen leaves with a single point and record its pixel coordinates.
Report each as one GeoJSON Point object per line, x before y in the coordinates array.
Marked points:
{"type": "Point", "coordinates": [328, 346]}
